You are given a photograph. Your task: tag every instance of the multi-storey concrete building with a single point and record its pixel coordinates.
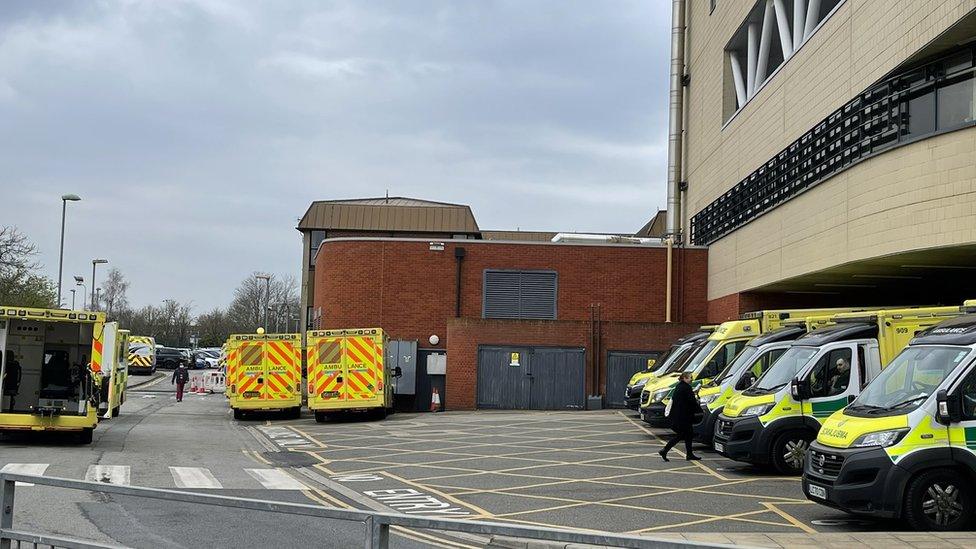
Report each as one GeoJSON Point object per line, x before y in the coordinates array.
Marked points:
{"type": "Point", "coordinates": [825, 150]}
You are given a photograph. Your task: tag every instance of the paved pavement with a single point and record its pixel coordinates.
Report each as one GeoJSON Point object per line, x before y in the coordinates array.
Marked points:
{"type": "Point", "coordinates": [583, 470]}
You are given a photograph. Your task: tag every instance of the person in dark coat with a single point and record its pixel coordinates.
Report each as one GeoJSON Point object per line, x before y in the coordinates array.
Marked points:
{"type": "Point", "coordinates": [684, 406]}
{"type": "Point", "coordinates": [11, 378]}
{"type": "Point", "coordinates": [180, 376]}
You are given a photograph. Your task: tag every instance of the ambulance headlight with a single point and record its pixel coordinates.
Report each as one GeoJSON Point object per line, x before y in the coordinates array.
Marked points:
{"type": "Point", "coordinates": [880, 438]}
{"type": "Point", "coordinates": [759, 410]}
{"type": "Point", "coordinates": [660, 395]}
{"type": "Point", "coordinates": [708, 399]}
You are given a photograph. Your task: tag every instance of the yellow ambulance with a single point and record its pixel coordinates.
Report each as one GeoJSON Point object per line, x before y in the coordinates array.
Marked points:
{"type": "Point", "coordinates": [904, 449]}
{"type": "Point", "coordinates": [142, 354]}
{"type": "Point", "coordinates": [774, 421]}
{"type": "Point", "coordinates": [347, 372]}
{"type": "Point", "coordinates": [111, 381]}
{"type": "Point", "coordinates": [264, 373]}
{"type": "Point", "coordinates": [50, 360]}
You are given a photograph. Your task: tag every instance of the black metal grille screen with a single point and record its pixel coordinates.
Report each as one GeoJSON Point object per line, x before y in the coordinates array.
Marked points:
{"type": "Point", "coordinates": [900, 109]}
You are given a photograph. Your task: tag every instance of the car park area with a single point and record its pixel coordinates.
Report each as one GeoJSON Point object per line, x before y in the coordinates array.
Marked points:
{"type": "Point", "coordinates": [586, 470]}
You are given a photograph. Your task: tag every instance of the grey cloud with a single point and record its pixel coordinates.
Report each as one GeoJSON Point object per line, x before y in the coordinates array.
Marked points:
{"type": "Point", "coordinates": [198, 131]}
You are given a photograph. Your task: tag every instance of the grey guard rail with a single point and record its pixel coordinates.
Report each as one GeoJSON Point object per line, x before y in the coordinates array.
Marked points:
{"type": "Point", "coordinates": [376, 524]}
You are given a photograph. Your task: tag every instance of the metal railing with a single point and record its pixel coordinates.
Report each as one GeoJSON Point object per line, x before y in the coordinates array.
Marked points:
{"type": "Point", "coordinates": [376, 524]}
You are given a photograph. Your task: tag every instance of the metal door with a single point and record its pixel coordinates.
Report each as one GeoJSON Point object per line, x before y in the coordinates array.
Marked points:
{"type": "Point", "coordinates": [521, 378]}
{"type": "Point", "coordinates": [282, 370]}
{"type": "Point", "coordinates": [557, 379]}
{"type": "Point", "coordinates": [251, 373]}
{"type": "Point", "coordinates": [503, 378]}
{"type": "Point", "coordinates": [621, 366]}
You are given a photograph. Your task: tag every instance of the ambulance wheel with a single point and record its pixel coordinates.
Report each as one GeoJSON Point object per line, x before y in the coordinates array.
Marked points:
{"type": "Point", "coordinates": [115, 412]}
{"type": "Point", "coordinates": [238, 414]}
{"type": "Point", "coordinates": [320, 417]}
{"type": "Point", "coordinates": [789, 450]}
{"type": "Point", "coordinates": [85, 436]}
{"type": "Point", "coordinates": [295, 413]}
{"type": "Point", "coordinates": [379, 413]}
{"type": "Point", "coordinates": [939, 500]}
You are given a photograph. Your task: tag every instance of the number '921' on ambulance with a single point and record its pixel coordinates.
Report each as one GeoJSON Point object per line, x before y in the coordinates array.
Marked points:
{"type": "Point", "coordinates": [906, 447]}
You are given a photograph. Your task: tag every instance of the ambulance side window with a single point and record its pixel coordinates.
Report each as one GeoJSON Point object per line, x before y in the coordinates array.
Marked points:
{"type": "Point", "coordinates": [832, 374]}
{"type": "Point", "coordinates": [862, 362]}
{"type": "Point", "coordinates": [968, 393]}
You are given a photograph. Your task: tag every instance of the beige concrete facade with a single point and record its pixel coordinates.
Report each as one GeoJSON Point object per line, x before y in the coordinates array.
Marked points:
{"type": "Point", "coordinates": [916, 196]}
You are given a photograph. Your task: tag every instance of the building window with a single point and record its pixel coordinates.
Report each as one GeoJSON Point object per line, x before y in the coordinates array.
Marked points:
{"type": "Point", "coordinates": [520, 295]}
{"type": "Point", "coordinates": [772, 32]}
{"type": "Point", "coordinates": [315, 241]}
{"type": "Point", "coordinates": [915, 104]}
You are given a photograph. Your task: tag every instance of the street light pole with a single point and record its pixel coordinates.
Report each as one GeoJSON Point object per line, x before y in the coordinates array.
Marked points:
{"type": "Point", "coordinates": [80, 281]}
{"type": "Point", "coordinates": [65, 198]}
{"type": "Point", "coordinates": [95, 262]}
{"type": "Point", "coordinates": [72, 299]}
{"type": "Point", "coordinates": [267, 296]}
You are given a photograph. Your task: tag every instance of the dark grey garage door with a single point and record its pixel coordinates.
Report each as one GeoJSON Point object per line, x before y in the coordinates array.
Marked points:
{"type": "Point", "coordinates": [621, 366]}
{"type": "Point", "coordinates": [527, 378]}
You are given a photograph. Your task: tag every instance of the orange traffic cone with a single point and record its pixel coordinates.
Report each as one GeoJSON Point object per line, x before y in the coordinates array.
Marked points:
{"type": "Point", "coordinates": [193, 384]}
{"type": "Point", "coordinates": [435, 400]}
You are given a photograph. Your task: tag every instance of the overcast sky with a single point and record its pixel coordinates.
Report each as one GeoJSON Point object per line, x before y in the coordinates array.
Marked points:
{"type": "Point", "coordinates": [198, 132]}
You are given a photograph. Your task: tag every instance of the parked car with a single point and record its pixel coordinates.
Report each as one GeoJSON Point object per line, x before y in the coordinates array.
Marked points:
{"type": "Point", "coordinates": [168, 357]}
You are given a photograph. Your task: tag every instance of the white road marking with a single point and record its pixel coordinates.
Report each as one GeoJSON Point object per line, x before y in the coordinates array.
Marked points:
{"type": "Point", "coordinates": [25, 469]}
{"type": "Point", "coordinates": [109, 474]}
{"type": "Point", "coordinates": [194, 477]}
{"type": "Point", "coordinates": [275, 479]}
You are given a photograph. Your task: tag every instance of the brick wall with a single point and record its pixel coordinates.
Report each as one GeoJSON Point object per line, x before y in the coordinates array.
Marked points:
{"type": "Point", "coordinates": [467, 334]}
{"type": "Point", "coordinates": [409, 290]}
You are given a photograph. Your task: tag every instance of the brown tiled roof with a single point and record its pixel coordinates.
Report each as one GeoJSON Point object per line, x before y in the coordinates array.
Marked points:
{"type": "Point", "coordinates": [389, 214]}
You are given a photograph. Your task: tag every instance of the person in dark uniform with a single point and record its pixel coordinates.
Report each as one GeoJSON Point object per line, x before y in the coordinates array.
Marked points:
{"type": "Point", "coordinates": [11, 378]}
{"type": "Point", "coordinates": [180, 377]}
{"type": "Point", "coordinates": [684, 406]}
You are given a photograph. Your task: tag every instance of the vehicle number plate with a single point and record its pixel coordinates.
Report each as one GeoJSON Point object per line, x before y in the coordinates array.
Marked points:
{"type": "Point", "coordinates": [817, 491]}
{"type": "Point", "coordinates": [719, 447]}
{"type": "Point", "coordinates": [252, 394]}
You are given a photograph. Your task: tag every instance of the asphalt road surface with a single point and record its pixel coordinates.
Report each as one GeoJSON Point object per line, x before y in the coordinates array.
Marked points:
{"type": "Point", "coordinates": [194, 445]}
{"type": "Point", "coordinates": [583, 470]}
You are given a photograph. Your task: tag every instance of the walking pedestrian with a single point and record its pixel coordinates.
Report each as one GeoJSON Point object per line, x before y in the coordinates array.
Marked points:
{"type": "Point", "coordinates": [11, 378]}
{"type": "Point", "coordinates": [180, 376]}
{"type": "Point", "coordinates": [684, 405]}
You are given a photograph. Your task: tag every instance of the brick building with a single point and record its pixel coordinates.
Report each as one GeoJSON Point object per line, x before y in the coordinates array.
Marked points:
{"type": "Point", "coordinates": [598, 300]}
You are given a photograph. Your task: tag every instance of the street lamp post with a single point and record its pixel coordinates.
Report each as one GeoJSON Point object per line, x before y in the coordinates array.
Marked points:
{"type": "Point", "coordinates": [72, 299]}
{"type": "Point", "coordinates": [65, 198]}
{"type": "Point", "coordinates": [95, 262]}
{"type": "Point", "coordinates": [267, 296]}
{"type": "Point", "coordinates": [80, 281]}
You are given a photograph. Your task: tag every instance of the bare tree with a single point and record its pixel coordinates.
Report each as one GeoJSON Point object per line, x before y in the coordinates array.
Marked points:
{"type": "Point", "coordinates": [113, 298]}
{"type": "Point", "coordinates": [20, 283]}
{"type": "Point", "coordinates": [214, 328]}
{"type": "Point", "coordinates": [251, 298]}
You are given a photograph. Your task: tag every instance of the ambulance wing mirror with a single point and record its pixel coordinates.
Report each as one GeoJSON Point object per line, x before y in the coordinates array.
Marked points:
{"type": "Point", "coordinates": [397, 371]}
{"type": "Point", "coordinates": [947, 408]}
{"type": "Point", "coordinates": [799, 389]}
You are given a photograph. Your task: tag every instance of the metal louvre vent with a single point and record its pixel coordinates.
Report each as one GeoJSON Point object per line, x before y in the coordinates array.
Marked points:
{"type": "Point", "coordinates": [520, 295]}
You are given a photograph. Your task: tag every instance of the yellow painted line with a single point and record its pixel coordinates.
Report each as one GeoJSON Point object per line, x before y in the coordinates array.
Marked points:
{"type": "Point", "coordinates": [792, 520]}
{"type": "Point", "coordinates": [330, 501]}
{"type": "Point", "coordinates": [702, 521]}
{"type": "Point", "coordinates": [256, 456]}
{"type": "Point", "coordinates": [448, 497]}
{"type": "Point", "coordinates": [308, 436]}
{"type": "Point", "coordinates": [698, 464]}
